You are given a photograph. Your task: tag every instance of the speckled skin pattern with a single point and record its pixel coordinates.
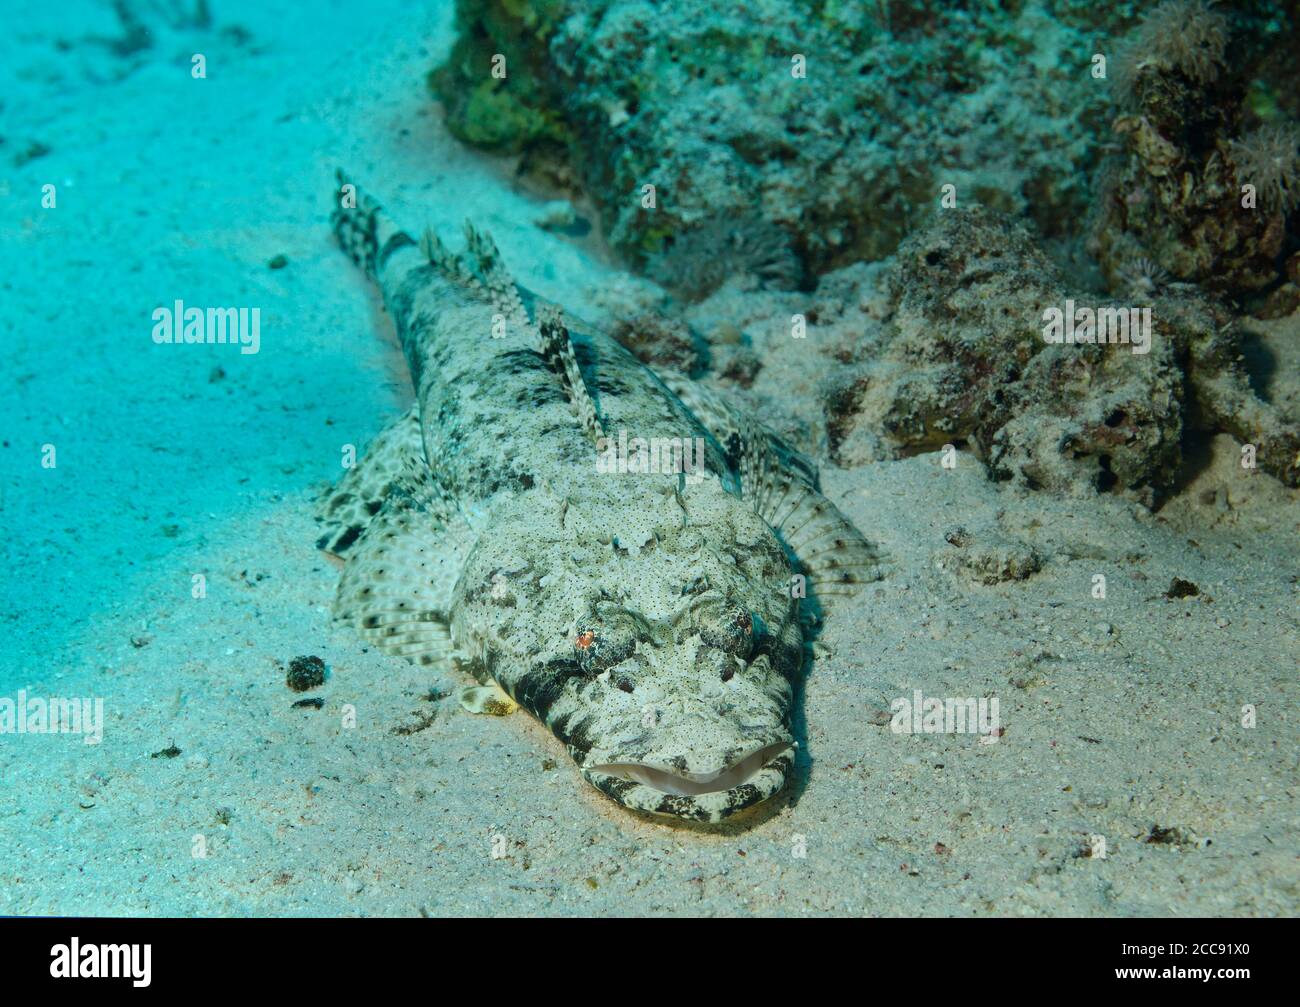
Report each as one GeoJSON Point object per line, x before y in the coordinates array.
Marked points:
{"type": "Point", "coordinates": [646, 619]}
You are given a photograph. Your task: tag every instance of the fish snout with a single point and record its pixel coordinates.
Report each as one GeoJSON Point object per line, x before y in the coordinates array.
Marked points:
{"type": "Point", "coordinates": [700, 785]}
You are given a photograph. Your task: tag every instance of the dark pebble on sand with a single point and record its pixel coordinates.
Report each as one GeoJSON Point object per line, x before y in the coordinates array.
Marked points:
{"type": "Point", "coordinates": [305, 673]}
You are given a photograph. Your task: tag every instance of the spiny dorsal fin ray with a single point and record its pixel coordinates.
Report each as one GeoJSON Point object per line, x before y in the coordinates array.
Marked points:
{"type": "Point", "coordinates": [445, 260]}
{"type": "Point", "coordinates": [487, 273]}
{"type": "Point", "coordinates": [496, 279]}
{"type": "Point", "coordinates": [557, 348]}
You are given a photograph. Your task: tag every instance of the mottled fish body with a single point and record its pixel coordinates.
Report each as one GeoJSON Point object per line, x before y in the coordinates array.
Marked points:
{"type": "Point", "coordinates": [651, 619]}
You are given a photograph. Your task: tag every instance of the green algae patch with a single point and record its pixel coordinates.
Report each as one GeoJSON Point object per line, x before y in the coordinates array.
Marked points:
{"type": "Point", "coordinates": [494, 84]}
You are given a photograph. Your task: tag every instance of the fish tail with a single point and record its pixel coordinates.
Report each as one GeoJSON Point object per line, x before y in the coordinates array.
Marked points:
{"type": "Point", "coordinates": [364, 231]}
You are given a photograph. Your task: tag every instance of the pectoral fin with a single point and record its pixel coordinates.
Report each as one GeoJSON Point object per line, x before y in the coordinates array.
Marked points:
{"type": "Point", "coordinates": [781, 485]}
{"type": "Point", "coordinates": [397, 586]}
{"type": "Point", "coordinates": [393, 462]}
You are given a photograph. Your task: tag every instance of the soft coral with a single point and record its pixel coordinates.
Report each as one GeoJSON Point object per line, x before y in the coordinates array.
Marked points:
{"type": "Point", "coordinates": [1269, 159]}
{"type": "Point", "coordinates": [1187, 36]}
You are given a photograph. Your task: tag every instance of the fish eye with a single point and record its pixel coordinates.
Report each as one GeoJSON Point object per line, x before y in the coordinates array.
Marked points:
{"type": "Point", "coordinates": [601, 644]}
{"type": "Point", "coordinates": [733, 631]}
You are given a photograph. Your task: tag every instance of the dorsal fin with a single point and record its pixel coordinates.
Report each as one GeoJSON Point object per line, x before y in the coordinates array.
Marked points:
{"type": "Point", "coordinates": [482, 270]}
{"type": "Point", "coordinates": [557, 348]}
{"type": "Point", "coordinates": [447, 261]}
{"type": "Point", "coordinates": [496, 279]}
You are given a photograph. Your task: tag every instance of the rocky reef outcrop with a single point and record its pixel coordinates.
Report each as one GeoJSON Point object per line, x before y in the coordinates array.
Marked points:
{"type": "Point", "coordinates": [1209, 172]}
{"type": "Point", "coordinates": [787, 136]}
{"type": "Point", "coordinates": [963, 358]}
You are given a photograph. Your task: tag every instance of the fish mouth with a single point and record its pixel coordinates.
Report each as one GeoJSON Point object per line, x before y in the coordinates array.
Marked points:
{"type": "Point", "coordinates": [705, 797]}
{"type": "Point", "coordinates": [683, 784]}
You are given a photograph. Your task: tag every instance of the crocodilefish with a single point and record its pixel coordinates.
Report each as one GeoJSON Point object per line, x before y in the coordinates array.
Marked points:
{"type": "Point", "coordinates": [651, 619]}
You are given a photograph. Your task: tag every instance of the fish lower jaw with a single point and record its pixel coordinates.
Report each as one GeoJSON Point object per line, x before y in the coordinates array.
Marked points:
{"type": "Point", "coordinates": [702, 797]}
{"type": "Point", "coordinates": [668, 780]}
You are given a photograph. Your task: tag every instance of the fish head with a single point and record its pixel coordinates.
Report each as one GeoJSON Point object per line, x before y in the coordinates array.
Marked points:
{"type": "Point", "coordinates": [708, 732]}
{"type": "Point", "coordinates": [663, 652]}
